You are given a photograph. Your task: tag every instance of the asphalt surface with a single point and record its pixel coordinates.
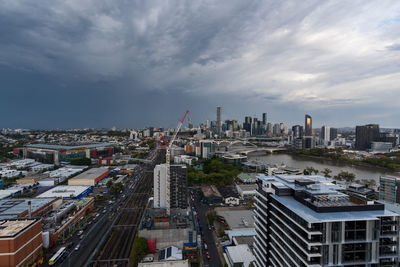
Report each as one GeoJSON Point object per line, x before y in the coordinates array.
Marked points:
{"type": "Point", "coordinates": [206, 234]}
{"type": "Point", "coordinates": [94, 232]}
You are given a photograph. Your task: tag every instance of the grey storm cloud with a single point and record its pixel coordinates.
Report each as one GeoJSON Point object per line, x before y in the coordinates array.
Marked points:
{"type": "Point", "coordinates": [295, 56]}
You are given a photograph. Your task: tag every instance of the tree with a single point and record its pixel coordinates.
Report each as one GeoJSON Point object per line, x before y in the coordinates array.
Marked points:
{"type": "Point", "coordinates": [81, 161]}
{"type": "Point", "coordinates": [211, 217]}
{"type": "Point", "coordinates": [221, 232]}
{"type": "Point", "coordinates": [310, 171]}
{"type": "Point", "coordinates": [327, 172]}
{"type": "Point", "coordinates": [140, 249]}
{"type": "Point", "coordinates": [368, 182]}
{"type": "Point", "coordinates": [109, 184]}
{"type": "Point", "coordinates": [345, 176]}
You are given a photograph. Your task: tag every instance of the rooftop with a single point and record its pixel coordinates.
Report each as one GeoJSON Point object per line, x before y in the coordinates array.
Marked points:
{"type": "Point", "coordinates": [91, 174]}
{"type": "Point", "coordinates": [248, 177]}
{"type": "Point", "coordinates": [319, 194]}
{"type": "Point", "coordinates": [13, 227]}
{"type": "Point", "coordinates": [64, 191]}
{"type": "Point", "coordinates": [11, 208]}
{"type": "Point", "coordinates": [240, 254]}
{"type": "Point", "coordinates": [179, 263]}
{"type": "Point", "coordinates": [63, 147]}
{"type": "Point", "coordinates": [243, 232]}
{"type": "Point", "coordinates": [312, 216]}
{"type": "Point", "coordinates": [247, 187]}
{"type": "Point", "coordinates": [237, 218]}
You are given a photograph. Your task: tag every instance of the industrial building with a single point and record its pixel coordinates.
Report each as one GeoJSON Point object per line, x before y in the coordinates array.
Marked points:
{"type": "Point", "coordinates": [20, 242]}
{"type": "Point", "coordinates": [31, 179]}
{"type": "Point", "coordinates": [178, 186]}
{"type": "Point", "coordinates": [68, 192]}
{"type": "Point", "coordinates": [48, 153]}
{"type": "Point", "coordinates": [90, 177]}
{"type": "Point", "coordinates": [64, 217]}
{"type": "Point", "coordinates": [19, 208]}
{"type": "Point", "coordinates": [309, 221]}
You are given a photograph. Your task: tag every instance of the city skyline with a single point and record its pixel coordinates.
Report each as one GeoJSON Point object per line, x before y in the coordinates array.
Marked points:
{"type": "Point", "coordinates": [102, 64]}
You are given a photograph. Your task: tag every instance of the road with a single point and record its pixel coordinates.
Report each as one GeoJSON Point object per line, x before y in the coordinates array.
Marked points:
{"type": "Point", "coordinates": [206, 233]}
{"type": "Point", "coordinates": [95, 229]}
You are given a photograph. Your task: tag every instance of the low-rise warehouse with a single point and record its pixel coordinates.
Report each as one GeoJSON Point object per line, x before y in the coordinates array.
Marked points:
{"type": "Point", "coordinates": [32, 179]}
{"type": "Point", "coordinates": [67, 192]}
{"type": "Point", "coordinates": [20, 242]}
{"type": "Point", "coordinates": [90, 177]}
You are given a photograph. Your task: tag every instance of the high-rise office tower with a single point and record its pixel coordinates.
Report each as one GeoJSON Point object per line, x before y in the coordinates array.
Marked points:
{"type": "Point", "coordinates": [297, 131]}
{"type": "Point", "coordinates": [365, 135]}
{"type": "Point", "coordinates": [276, 129]}
{"type": "Point", "coordinates": [247, 124]}
{"type": "Point", "coordinates": [264, 119]}
{"type": "Point", "coordinates": [309, 221]}
{"type": "Point", "coordinates": [269, 127]}
{"type": "Point", "coordinates": [325, 133]}
{"type": "Point", "coordinates": [219, 122]}
{"type": "Point", "coordinates": [308, 126]}
{"type": "Point", "coordinates": [333, 134]}
{"type": "Point", "coordinates": [178, 186]}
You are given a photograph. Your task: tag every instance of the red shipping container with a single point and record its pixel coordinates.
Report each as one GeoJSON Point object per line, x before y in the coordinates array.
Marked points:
{"type": "Point", "coordinates": [100, 161]}
{"type": "Point", "coordinates": [151, 245]}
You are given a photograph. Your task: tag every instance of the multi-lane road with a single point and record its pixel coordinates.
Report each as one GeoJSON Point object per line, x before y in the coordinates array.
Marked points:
{"type": "Point", "coordinates": [97, 229]}
{"type": "Point", "coordinates": [206, 234]}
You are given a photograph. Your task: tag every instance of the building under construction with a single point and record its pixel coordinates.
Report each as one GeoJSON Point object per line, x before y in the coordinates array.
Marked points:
{"type": "Point", "coordinates": [178, 186]}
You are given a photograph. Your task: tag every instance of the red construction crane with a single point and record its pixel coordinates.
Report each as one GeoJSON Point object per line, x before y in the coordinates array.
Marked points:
{"type": "Point", "coordinates": [168, 160]}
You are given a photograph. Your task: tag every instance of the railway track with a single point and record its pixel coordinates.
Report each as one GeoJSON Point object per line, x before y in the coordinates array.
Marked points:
{"type": "Point", "coordinates": [117, 248]}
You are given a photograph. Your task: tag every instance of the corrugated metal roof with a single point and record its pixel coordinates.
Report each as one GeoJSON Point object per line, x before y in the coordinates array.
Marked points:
{"type": "Point", "coordinates": [63, 147]}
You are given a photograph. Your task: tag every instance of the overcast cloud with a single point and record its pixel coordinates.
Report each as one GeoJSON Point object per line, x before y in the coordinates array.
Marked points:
{"type": "Point", "coordinates": [98, 63]}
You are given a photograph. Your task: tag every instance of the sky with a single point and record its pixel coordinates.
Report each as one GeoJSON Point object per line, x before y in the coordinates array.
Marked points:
{"type": "Point", "coordinates": [104, 63]}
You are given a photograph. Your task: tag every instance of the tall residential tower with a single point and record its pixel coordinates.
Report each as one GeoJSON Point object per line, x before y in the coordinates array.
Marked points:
{"type": "Point", "coordinates": [308, 221]}
{"type": "Point", "coordinates": [219, 122]}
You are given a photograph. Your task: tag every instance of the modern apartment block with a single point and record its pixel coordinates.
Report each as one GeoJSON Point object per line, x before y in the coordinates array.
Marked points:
{"type": "Point", "coordinates": [389, 189]}
{"type": "Point", "coordinates": [178, 186]}
{"type": "Point", "coordinates": [309, 221]}
{"type": "Point", "coordinates": [365, 135]}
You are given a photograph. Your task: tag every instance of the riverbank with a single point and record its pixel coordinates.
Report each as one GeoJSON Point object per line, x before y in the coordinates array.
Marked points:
{"type": "Point", "coordinates": [354, 163]}
{"type": "Point", "coordinates": [384, 162]}
{"type": "Point", "coordinates": [319, 163]}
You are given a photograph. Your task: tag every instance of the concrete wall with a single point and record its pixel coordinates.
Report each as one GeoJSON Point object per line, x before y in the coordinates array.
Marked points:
{"type": "Point", "coordinates": [167, 237]}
